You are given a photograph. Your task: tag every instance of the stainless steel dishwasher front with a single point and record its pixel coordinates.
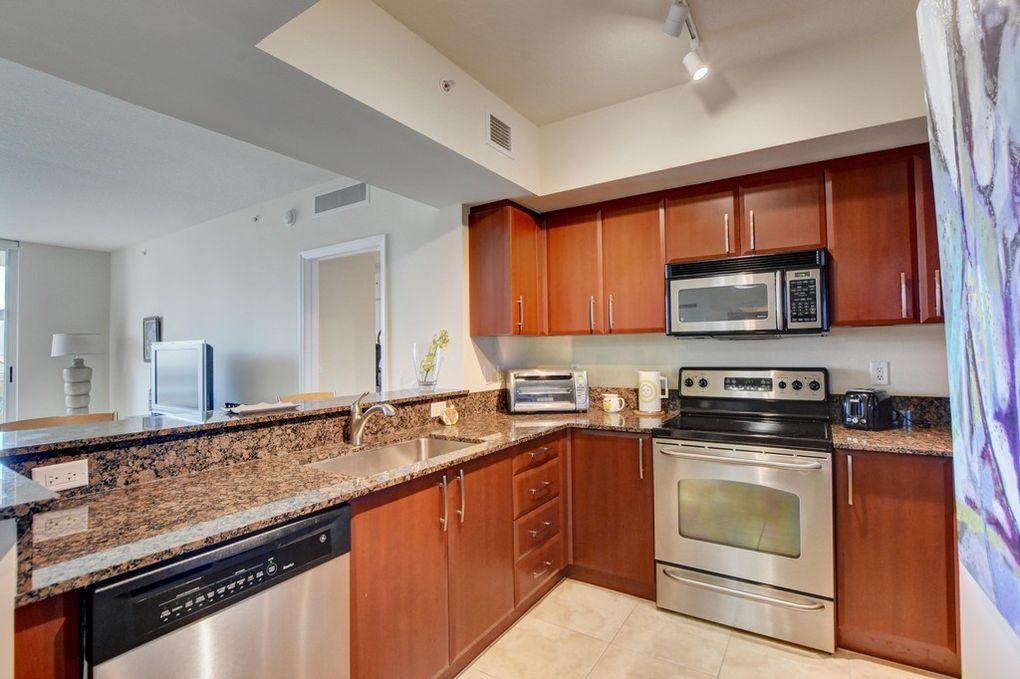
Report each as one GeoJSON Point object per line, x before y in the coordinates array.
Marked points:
{"type": "Point", "coordinates": [271, 605]}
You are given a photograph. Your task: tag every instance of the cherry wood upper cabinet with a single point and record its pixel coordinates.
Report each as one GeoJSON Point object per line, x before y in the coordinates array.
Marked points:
{"type": "Point", "coordinates": [929, 270]}
{"type": "Point", "coordinates": [782, 210]}
{"type": "Point", "coordinates": [632, 265]}
{"type": "Point", "coordinates": [611, 499]}
{"type": "Point", "coordinates": [504, 244]}
{"type": "Point", "coordinates": [574, 272]}
{"type": "Point", "coordinates": [701, 225]}
{"type": "Point", "coordinates": [481, 550]}
{"type": "Point", "coordinates": [399, 592]}
{"type": "Point", "coordinates": [896, 573]}
{"type": "Point", "coordinates": [869, 205]}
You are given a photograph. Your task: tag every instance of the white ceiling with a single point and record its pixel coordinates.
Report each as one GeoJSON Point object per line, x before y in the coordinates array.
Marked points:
{"type": "Point", "coordinates": [83, 169]}
{"type": "Point", "coordinates": [551, 59]}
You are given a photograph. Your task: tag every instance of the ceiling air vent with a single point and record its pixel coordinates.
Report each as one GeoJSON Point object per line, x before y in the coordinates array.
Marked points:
{"type": "Point", "coordinates": [499, 135]}
{"type": "Point", "coordinates": [340, 199]}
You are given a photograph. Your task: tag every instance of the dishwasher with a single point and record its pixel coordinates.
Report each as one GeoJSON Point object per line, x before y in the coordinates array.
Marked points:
{"type": "Point", "coordinates": [270, 605]}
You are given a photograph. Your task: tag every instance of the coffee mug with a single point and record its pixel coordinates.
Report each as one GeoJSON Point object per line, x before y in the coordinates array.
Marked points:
{"type": "Point", "coordinates": [652, 388]}
{"type": "Point", "coordinates": [612, 403]}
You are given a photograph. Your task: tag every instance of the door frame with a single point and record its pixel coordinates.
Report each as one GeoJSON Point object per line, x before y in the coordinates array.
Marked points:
{"type": "Point", "coordinates": [308, 363]}
{"type": "Point", "coordinates": [10, 346]}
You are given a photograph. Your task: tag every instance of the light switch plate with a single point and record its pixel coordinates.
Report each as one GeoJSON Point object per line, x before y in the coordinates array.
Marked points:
{"type": "Point", "coordinates": [62, 476]}
{"type": "Point", "coordinates": [436, 408]}
{"type": "Point", "coordinates": [880, 372]}
{"type": "Point", "coordinates": [60, 523]}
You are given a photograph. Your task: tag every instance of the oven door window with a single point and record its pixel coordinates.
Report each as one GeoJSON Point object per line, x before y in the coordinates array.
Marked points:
{"type": "Point", "coordinates": [716, 304]}
{"type": "Point", "coordinates": [745, 515]}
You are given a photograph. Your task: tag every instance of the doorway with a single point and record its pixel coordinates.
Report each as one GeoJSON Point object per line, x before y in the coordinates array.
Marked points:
{"type": "Point", "coordinates": [8, 329]}
{"type": "Point", "coordinates": [343, 317]}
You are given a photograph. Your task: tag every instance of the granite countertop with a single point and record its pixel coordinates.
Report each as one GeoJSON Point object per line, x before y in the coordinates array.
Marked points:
{"type": "Point", "coordinates": [136, 428]}
{"type": "Point", "coordinates": [139, 525]}
{"type": "Point", "coordinates": [934, 441]}
{"type": "Point", "coordinates": [20, 495]}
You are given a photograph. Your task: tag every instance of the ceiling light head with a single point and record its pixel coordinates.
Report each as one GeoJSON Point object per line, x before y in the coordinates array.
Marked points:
{"type": "Point", "coordinates": [695, 65]}
{"type": "Point", "coordinates": [677, 17]}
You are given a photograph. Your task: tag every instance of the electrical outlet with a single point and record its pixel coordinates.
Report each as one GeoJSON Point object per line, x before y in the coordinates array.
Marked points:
{"type": "Point", "coordinates": [436, 408]}
{"type": "Point", "coordinates": [59, 523]}
{"type": "Point", "coordinates": [880, 372]}
{"type": "Point", "coordinates": [62, 476]}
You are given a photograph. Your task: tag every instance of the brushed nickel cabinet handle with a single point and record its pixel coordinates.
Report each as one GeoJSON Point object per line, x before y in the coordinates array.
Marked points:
{"type": "Point", "coordinates": [903, 294]}
{"type": "Point", "coordinates": [849, 479]}
{"type": "Point", "coordinates": [537, 574]}
{"type": "Point", "coordinates": [641, 459]}
{"type": "Point", "coordinates": [611, 323]}
{"type": "Point", "coordinates": [540, 488]}
{"type": "Point", "coordinates": [544, 527]}
{"type": "Point", "coordinates": [752, 230]}
{"type": "Point", "coordinates": [444, 520]}
{"type": "Point", "coordinates": [726, 231]}
{"type": "Point", "coordinates": [463, 497]}
{"type": "Point", "coordinates": [591, 313]}
{"type": "Point", "coordinates": [520, 309]}
{"type": "Point", "coordinates": [938, 293]}
{"type": "Point", "coordinates": [538, 452]}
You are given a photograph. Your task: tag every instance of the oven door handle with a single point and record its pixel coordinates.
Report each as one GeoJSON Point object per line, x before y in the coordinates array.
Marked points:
{"type": "Point", "coordinates": [796, 466]}
{"type": "Point", "coordinates": [750, 596]}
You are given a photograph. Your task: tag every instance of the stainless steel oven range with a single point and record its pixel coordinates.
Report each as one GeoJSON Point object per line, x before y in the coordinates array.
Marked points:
{"type": "Point", "coordinates": [743, 503]}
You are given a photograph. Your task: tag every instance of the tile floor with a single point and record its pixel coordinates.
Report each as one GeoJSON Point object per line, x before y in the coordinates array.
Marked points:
{"type": "Point", "coordinates": [579, 630]}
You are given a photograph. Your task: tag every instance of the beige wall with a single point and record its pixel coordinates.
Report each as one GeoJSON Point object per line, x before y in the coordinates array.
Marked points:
{"type": "Point", "coordinates": [347, 323]}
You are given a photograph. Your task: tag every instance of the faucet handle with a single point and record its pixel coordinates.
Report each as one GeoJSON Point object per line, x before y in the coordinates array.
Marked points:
{"type": "Point", "coordinates": [356, 406]}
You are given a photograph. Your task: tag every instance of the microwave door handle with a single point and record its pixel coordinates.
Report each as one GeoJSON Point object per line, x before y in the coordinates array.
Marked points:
{"type": "Point", "coordinates": [781, 306]}
{"type": "Point", "coordinates": [795, 466]}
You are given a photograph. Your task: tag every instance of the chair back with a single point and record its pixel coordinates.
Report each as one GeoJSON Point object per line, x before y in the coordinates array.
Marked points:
{"type": "Point", "coordinates": [57, 421]}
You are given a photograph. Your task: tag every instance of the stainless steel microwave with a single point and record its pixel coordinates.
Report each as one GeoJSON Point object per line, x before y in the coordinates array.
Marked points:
{"type": "Point", "coordinates": [757, 295]}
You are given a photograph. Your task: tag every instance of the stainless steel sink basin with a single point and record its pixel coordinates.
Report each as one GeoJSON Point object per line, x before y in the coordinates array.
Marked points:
{"type": "Point", "coordinates": [393, 456]}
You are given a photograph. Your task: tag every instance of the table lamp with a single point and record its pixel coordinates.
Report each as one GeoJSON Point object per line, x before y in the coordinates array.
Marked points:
{"type": "Point", "coordinates": [77, 376]}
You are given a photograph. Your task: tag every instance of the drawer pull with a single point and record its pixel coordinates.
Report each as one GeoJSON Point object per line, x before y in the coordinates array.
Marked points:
{"type": "Point", "coordinates": [539, 452]}
{"type": "Point", "coordinates": [542, 531]}
{"type": "Point", "coordinates": [537, 574]}
{"type": "Point", "coordinates": [540, 489]}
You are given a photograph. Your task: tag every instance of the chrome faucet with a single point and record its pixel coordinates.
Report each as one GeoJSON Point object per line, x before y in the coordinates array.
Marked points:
{"type": "Point", "coordinates": [359, 418]}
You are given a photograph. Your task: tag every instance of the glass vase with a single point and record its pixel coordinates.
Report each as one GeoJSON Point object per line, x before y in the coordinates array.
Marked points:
{"type": "Point", "coordinates": [427, 359]}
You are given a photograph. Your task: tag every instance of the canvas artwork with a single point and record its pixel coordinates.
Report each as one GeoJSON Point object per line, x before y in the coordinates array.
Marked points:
{"type": "Point", "coordinates": [972, 70]}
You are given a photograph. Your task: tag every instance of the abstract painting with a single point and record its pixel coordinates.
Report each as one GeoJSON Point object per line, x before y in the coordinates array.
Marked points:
{"type": "Point", "coordinates": [972, 87]}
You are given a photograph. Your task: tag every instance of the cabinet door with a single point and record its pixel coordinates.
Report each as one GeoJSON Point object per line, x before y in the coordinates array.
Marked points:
{"type": "Point", "coordinates": [481, 551]}
{"type": "Point", "coordinates": [870, 214]}
{"type": "Point", "coordinates": [613, 535]}
{"type": "Point", "coordinates": [504, 272]}
{"type": "Point", "coordinates": [399, 614]}
{"type": "Point", "coordinates": [782, 212]}
{"type": "Point", "coordinates": [896, 594]}
{"type": "Point", "coordinates": [701, 226]}
{"type": "Point", "coordinates": [525, 282]}
{"type": "Point", "coordinates": [46, 639]}
{"type": "Point", "coordinates": [632, 266]}
{"type": "Point", "coordinates": [929, 270]}
{"type": "Point", "coordinates": [574, 272]}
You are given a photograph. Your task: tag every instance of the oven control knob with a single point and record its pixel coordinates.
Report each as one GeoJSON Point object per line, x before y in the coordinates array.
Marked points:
{"type": "Point", "coordinates": [782, 384]}
{"type": "Point", "coordinates": [688, 383]}
{"type": "Point", "coordinates": [797, 385]}
{"type": "Point", "coordinates": [815, 385]}
{"type": "Point", "coordinates": [702, 383]}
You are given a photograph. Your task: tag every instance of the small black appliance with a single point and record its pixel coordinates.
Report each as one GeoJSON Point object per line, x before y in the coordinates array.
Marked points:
{"type": "Point", "coordinates": [868, 409]}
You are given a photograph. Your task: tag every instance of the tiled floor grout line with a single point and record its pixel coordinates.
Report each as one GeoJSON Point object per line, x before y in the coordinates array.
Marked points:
{"type": "Point", "coordinates": [722, 663]}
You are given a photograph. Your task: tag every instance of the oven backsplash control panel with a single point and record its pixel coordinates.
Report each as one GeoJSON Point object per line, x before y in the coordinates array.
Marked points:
{"type": "Point", "coordinates": [788, 384]}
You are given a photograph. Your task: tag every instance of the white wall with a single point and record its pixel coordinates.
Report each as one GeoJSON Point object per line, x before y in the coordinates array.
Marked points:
{"type": "Point", "coordinates": [59, 290]}
{"type": "Point", "coordinates": [235, 282]}
{"type": "Point", "coordinates": [347, 323]}
{"type": "Point", "coordinates": [916, 354]}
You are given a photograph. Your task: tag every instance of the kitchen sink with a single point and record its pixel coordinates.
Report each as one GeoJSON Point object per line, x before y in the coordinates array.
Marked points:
{"type": "Point", "coordinates": [393, 456]}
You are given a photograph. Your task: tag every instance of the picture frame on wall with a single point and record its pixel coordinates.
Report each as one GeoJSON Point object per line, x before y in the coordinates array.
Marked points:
{"type": "Point", "coordinates": [152, 331]}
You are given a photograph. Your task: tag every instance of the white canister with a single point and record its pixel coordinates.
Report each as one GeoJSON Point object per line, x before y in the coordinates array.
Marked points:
{"type": "Point", "coordinates": [652, 388]}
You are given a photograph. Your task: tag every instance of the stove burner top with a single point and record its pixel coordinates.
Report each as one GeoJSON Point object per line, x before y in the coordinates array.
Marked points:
{"type": "Point", "coordinates": [784, 433]}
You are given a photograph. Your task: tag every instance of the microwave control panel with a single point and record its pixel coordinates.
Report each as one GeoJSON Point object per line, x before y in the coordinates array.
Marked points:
{"type": "Point", "coordinates": [803, 299]}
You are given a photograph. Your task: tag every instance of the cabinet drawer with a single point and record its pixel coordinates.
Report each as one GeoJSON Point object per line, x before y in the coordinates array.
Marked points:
{"type": "Point", "coordinates": [536, 487]}
{"type": "Point", "coordinates": [535, 529]}
{"type": "Point", "coordinates": [536, 454]}
{"type": "Point", "coordinates": [538, 566]}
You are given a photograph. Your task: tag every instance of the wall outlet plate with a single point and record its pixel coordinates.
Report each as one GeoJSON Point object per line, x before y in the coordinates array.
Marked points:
{"type": "Point", "coordinates": [62, 476]}
{"type": "Point", "coordinates": [60, 523]}
{"type": "Point", "coordinates": [880, 372]}
{"type": "Point", "coordinates": [436, 408]}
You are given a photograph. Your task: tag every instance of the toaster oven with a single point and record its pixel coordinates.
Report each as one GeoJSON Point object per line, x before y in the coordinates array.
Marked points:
{"type": "Point", "coordinates": [544, 391]}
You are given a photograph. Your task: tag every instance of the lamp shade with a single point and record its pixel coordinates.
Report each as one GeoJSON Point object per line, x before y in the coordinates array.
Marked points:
{"type": "Point", "coordinates": [77, 344]}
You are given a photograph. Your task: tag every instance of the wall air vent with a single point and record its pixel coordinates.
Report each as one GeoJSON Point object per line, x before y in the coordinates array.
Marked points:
{"type": "Point", "coordinates": [500, 135]}
{"type": "Point", "coordinates": [341, 199]}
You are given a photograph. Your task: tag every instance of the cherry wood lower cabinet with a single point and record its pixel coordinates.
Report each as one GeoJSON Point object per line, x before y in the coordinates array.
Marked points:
{"type": "Point", "coordinates": [896, 573]}
{"type": "Point", "coordinates": [612, 508]}
{"type": "Point", "coordinates": [46, 639]}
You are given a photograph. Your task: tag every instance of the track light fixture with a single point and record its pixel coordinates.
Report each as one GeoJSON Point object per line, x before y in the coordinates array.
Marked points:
{"type": "Point", "coordinates": [677, 18]}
